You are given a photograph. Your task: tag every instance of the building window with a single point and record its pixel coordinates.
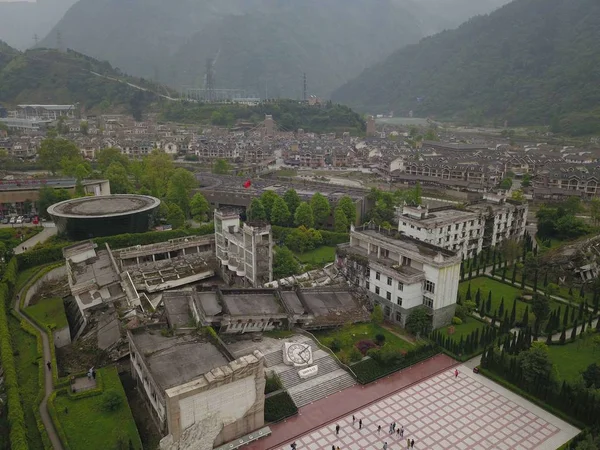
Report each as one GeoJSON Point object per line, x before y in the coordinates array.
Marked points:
{"type": "Point", "coordinates": [377, 290]}
{"type": "Point", "coordinates": [368, 273]}
{"type": "Point", "coordinates": [377, 276]}
{"type": "Point", "coordinates": [428, 302]}
{"type": "Point", "coordinates": [399, 301]}
{"type": "Point", "coordinates": [388, 296]}
{"type": "Point", "coordinates": [400, 286]}
{"type": "Point", "coordinates": [429, 286]}
{"type": "Point", "coordinates": [389, 281]}
{"type": "Point", "coordinates": [367, 285]}
{"type": "Point", "coordinates": [387, 311]}
{"type": "Point", "coordinates": [398, 317]}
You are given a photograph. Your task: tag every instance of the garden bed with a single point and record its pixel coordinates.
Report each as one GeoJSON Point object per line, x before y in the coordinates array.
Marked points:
{"type": "Point", "coordinates": [279, 407]}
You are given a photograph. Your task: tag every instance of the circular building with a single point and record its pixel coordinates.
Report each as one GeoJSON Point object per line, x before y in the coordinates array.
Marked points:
{"type": "Point", "coordinates": [88, 217]}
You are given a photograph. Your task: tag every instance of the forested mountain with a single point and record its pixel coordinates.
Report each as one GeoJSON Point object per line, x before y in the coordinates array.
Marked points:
{"type": "Point", "coordinates": [262, 45]}
{"type": "Point", "coordinates": [20, 21]}
{"type": "Point", "coordinates": [49, 76]}
{"type": "Point", "coordinates": [529, 62]}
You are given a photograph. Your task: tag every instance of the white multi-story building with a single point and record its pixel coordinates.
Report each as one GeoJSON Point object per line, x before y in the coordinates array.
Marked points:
{"type": "Point", "coordinates": [245, 251]}
{"type": "Point", "coordinates": [467, 230]}
{"type": "Point", "coordinates": [402, 273]}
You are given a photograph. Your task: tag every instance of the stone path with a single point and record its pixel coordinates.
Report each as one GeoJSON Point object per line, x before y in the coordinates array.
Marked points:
{"type": "Point", "coordinates": [443, 412]}
{"type": "Point", "coordinates": [329, 409]}
{"type": "Point", "coordinates": [48, 382]}
{"type": "Point", "coordinates": [42, 236]}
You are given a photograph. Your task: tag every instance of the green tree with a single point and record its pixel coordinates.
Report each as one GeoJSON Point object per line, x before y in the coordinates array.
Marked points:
{"type": "Point", "coordinates": [377, 314]}
{"type": "Point", "coordinates": [179, 189]}
{"type": "Point", "coordinates": [111, 400]}
{"type": "Point", "coordinates": [199, 207]}
{"type": "Point", "coordinates": [256, 211]}
{"type": "Point", "coordinates": [280, 214]}
{"type": "Point", "coordinates": [54, 150]}
{"type": "Point", "coordinates": [418, 192]}
{"type": "Point", "coordinates": [292, 199]}
{"type": "Point", "coordinates": [221, 167]}
{"type": "Point", "coordinates": [321, 209]}
{"type": "Point", "coordinates": [284, 263]}
{"type": "Point", "coordinates": [304, 216]}
{"type": "Point", "coordinates": [47, 197]}
{"type": "Point", "coordinates": [595, 210]}
{"type": "Point", "coordinates": [518, 195]}
{"type": "Point", "coordinates": [176, 217]}
{"type": "Point", "coordinates": [340, 221]}
{"type": "Point", "coordinates": [418, 322]}
{"type": "Point", "coordinates": [116, 174]}
{"type": "Point", "coordinates": [535, 363]}
{"type": "Point", "coordinates": [108, 156]}
{"type": "Point", "coordinates": [347, 205]}
{"type": "Point", "coordinates": [84, 127]}
{"type": "Point", "coordinates": [526, 180]}
{"type": "Point", "coordinates": [506, 184]}
{"type": "Point", "coordinates": [591, 376]}
{"type": "Point", "coordinates": [302, 239]}
{"type": "Point", "coordinates": [155, 171]}
{"type": "Point", "coordinates": [268, 200]}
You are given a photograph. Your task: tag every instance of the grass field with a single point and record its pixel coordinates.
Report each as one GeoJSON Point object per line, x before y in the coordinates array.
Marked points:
{"type": "Point", "coordinates": [286, 173]}
{"type": "Point", "coordinates": [573, 358]}
{"type": "Point", "coordinates": [500, 290]}
{"type": "Point", "coordinates": [88, 426]}
{"type": "Point", "coordinates": [49, 312]}
{"type": "Point", "coordinates": [26, 364]}
{"type": "Point", "coordinates": [322, 255]}
{"type": "Point", "coordinates": [349, 335]}
{"type": "Point", "coordinates": [463, 330]}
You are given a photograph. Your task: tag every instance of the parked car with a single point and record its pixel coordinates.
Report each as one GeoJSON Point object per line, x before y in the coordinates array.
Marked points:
{"type": "Point", "coordinates": [27, 220]}
{"type": "Point", "coordinates": [5, 220]}
{"type": "Point", "coordinates": [36, 220]}
{"type": "Point", "coordinates": [20, 219]}
{"type": "Point", "coordinates": [13, 219]}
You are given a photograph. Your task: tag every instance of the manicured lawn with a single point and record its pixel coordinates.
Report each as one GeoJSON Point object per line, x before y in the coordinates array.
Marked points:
{"type": "Point", "coordinates": [573, 358]}
{"type": "Point", "coordinates": [321, 255]}
{"type": "Point", "coordinates": [26, 364]}
{"type": "Point", "coordinates": [500, 290]}
{"type": "Point", "coordinates": [88, 426]}
{"type": "Point", "coordinates": [286, 173]}
{"type": "Point", "coordinates": [348, 336]}
{"type": "Point", "coordinates": [49, 312]}
{"type": "Point", "coordinates": [464, 329]}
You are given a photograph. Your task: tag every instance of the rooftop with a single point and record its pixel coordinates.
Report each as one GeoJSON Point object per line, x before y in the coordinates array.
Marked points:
{"type": "Point", "coordinates": [441, 217]}
{"type": "Point", "coordinates": [104, 206]}
{"type": "Point", "coordinates": [176, 360]}
{"type": "Point", "coordinates": [251, 303]}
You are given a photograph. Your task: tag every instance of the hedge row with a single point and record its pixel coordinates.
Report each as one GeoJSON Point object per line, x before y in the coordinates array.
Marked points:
{"type": "Point", "coordinates": [16, 418]}
{"type": "Point", "coordinates": [330, 238]}
{"type": "Point", "coordinates": [47, 254]}
{"type": "Point", "coordinates": [369, 370]}
{"type": "Point", "coordinates": [279, 407]}
{"type": "Point", "coordinates": [57, 425]}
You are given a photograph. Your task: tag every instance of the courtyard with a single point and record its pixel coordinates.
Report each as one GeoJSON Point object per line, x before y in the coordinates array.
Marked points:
{"type": "Point", "coordinates": [444, 412]}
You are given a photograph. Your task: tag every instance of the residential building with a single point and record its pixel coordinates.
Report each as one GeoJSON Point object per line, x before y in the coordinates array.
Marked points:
{"type": "Point", "coordinates": [245, 251]}
{"type": "Point", "coordinates": [469, 229]}
{"type": "Point", "coordinates": [401, 273]}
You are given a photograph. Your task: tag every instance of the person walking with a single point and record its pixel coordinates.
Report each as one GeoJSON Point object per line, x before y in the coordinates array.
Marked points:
{"type": "Point", "coordinates": [401, 431]}
{"type": "Point", "coordinates": [391, 428]}
{"type": "Point", "coordinates": [408, 444]}
{"type": "Point", "coordinates": [359, 424]}
{"type": "Point", "coordinates": [385, 446]}
{"type": "Point", "coordinates": [353, 419]}
{"type": "Point", "coordinates": [455, 373]}
{"type": "Point", "coordinates": [412, 443]}
{"type": "Point", "coordinates": [49, 365]}
{"type": "Point", "coordinates": [379, 429]}
{"type": "Point", "coordinates": [333, 447]}
{"type": "Point", "coordinates": [394, 426]}
{"type": "Point", "coordinates": [337, 429]}
{"type": "Point", "coordinates": [293, 446]}
{"type": "Point", "coordinates": [398, 432]}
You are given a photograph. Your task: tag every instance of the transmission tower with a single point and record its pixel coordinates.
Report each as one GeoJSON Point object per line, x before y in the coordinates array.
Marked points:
{"type": "Point", "coordinates": [59, 40]}
{"type": "Point", "coordinates": [304, 90]}
{"type": "Point", "coordinates": [36, 39]}
{"type": "Point", "coordinates": [209, 84]}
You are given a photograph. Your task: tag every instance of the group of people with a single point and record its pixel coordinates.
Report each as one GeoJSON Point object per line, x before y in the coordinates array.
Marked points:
{"type": "Point", "coordinates": [399, 431]}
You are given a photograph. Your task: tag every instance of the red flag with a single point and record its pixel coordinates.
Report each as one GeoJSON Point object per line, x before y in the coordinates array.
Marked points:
{"type": "Point", "coordinates": [247, 184]}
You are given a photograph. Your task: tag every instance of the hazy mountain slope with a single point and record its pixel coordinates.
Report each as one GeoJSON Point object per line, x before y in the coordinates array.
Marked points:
{"type": "Point", "coordinates": [532, 61]}
{"type": "Point", "coordinates": [7, 53]}
{"type": "Point", "coordinates": [264, 41]}
{"type": "Point", "coordinates": [20, 21]}
{"type": "Point", "coordinates": [270, 52]}
{"type": "Point", "coordinates": [48, 76]}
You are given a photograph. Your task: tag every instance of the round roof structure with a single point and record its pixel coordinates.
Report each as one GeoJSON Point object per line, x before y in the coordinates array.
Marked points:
{"type": "Point", "coordinates": [106, 206]}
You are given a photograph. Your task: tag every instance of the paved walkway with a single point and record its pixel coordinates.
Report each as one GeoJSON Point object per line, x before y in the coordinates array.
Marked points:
{"type": "Point", "coordinates": [345, 402]}
{"type": "Point", "coordinates": [442, 412]}
{"type": "Point", "coordinates": [48, 382]}
{"type": "Point", "coordinates": [42, 236]}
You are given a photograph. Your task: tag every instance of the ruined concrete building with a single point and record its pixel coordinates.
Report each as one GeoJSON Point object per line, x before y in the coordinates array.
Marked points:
{"type": "Point", "coordinates": [245, 252]}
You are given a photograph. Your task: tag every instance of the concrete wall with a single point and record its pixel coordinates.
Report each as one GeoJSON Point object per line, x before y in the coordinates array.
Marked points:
{"type": "Point", "coordinates": [218, 407]}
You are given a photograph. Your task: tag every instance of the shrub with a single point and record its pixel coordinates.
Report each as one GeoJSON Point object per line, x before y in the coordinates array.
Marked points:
{"type": "Point", "coordinates": [379, 339]}
{"type": "Point", "coordinates": [111, 400]}
{"type": "Point", "coordinates": [461, 312]}
{"type": "Point", "coordinates": [279, 406]}
{"type": "Point", "coordinates": [456, 320]}
{"type": "Point", "coordinates": [365, 345]}
{"type": "Point", "coordinates": [272, 384]}
{"type": "Point", "coordinates": [354, 355]}
{"type": "Point", "coordinates": [336, 345]}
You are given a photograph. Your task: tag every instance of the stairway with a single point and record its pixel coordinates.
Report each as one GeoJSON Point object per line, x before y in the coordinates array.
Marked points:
{"type": "Point", "coordinates": [320, 387]}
